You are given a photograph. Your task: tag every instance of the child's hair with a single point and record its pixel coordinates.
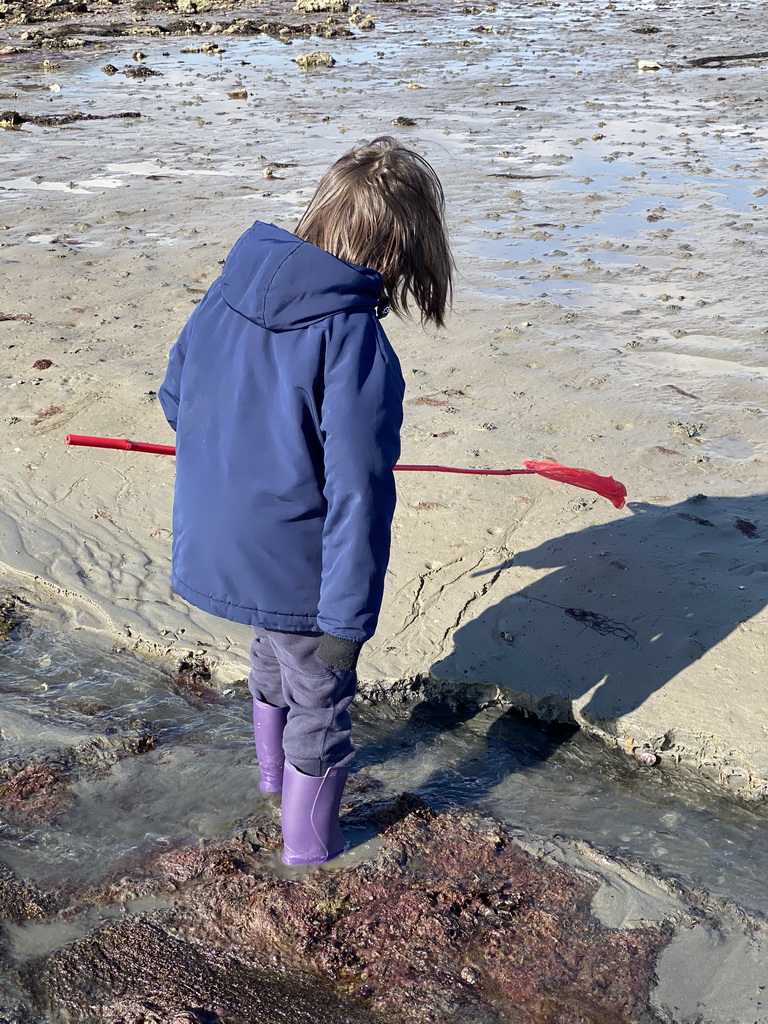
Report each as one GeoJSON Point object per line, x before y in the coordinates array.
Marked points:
{"type": "Point", "coordinates": [382, 206]}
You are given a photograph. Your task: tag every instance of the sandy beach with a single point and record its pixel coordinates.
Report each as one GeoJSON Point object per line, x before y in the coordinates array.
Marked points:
{"type": "Point", "coordinates": [609, 227]}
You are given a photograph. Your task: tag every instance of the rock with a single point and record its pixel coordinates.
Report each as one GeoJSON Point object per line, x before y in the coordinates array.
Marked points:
{"type": "Point", "coordinates": [319, 59]}
{"type": "Point", "coordinates": [141, 71]}
{"type": "Point", "coordinates": [141, 973]}
{"type": "Point", "coordinates": [242, 27]}
{"type": "Point", "coordinates": [454, 918]}
{"type": "Point", "coordinates": [21, 900]}
{"type": "Point", "coordinates": [451, 920]}
{"type": "Point", "coordinates": [192, 681]}
{"type": "Point", "coordinates": [11, 615]}
{"type": "Point", "coordinates": [63, 43]}
{"type": "Point", "coordinates": [332, 31]}
{"type": "Point", "coordinates": [38, 793]}
{"type": "Point", "coordinates": [39, 789]}
{"type": "Point", "coordinates": [314, 6]}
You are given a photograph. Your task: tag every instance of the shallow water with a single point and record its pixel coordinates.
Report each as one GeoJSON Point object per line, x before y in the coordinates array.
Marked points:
{"type": "Point", "coordinates": [575, 184]}
{"type": "Point", "coordinates": [201, 775]}
{"type": "Point", "coordinates": [559, 782]}
{"type": "Point", "coordinates": [563, 161]}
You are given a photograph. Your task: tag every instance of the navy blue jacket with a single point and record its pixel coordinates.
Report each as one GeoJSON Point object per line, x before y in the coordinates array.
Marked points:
{"type": "Point", "coordinates": [286, 398]}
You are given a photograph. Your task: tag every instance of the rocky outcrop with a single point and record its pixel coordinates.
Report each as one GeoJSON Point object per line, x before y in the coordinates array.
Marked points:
{"type": "Point", "coordinates": [450, 919]}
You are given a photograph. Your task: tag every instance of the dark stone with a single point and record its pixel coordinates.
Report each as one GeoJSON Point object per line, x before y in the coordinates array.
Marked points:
{"type": "Point", "coordinates": [192, 681]}
{"type": "Point", "coordinates": [140, 973]}
{"type": "Point", "coordinates": [21, 900]}
{"type": "Point", "coordinates": [11, 616]}
{"type": "Point", "coordinates": [141, 71]}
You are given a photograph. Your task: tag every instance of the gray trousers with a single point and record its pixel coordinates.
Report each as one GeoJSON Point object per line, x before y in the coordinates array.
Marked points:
{"type": "Point", "coordinates": [286, 672]}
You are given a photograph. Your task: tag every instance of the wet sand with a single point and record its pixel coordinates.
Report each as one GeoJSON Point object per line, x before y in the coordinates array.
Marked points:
{"type": "Point", "coordinates": [609, 229]}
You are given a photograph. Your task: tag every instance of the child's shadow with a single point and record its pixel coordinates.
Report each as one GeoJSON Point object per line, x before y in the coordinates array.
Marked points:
{"type": "Point", "coordinates": [628, 606]}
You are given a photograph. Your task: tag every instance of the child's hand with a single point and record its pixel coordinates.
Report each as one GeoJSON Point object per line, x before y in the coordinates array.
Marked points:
{"type": "Point", "coordinates": [338, 653]}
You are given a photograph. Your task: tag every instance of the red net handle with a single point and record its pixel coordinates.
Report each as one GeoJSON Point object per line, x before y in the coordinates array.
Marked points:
{"type": "Point", "coordinates": [122, 443]}
{"type": "Point", "coordinates": [605, 486]}
{"type": "Point", "coordinates": [168, 449]}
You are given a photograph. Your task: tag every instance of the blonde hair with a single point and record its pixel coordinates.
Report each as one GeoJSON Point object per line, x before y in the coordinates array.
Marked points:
{"type": "Point", "coordinates": [381, 205]}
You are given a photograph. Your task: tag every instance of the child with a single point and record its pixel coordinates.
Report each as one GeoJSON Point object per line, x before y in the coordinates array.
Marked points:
{"type": "Point", "coordinates": [286, 397]}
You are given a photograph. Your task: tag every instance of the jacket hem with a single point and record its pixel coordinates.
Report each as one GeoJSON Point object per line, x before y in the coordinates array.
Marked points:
{"type": "Point", "coordinates": [287, 621]}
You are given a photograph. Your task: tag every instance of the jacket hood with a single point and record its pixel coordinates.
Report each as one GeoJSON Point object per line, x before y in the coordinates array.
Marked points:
{"type": "Point", "coordinates": [282, 283]}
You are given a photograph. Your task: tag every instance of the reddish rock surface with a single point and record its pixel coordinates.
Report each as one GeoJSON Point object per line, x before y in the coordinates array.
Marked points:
{"type": "Point", "coordinates": [450, 920]}
{"type": "Point", "coordinates": [38, 790]}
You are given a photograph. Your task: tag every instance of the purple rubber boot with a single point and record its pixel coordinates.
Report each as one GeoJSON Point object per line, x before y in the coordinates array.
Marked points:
{"type": "Point", "coordinates": [311, 830]}
{"type": "Point", "coordinates": [268, 725]}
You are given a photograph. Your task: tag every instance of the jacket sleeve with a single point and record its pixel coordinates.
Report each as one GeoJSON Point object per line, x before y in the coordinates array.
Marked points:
{"type": "Point", "coordinates": [361, 416]}
{"type": "Point", "coordinates": [169, 393]}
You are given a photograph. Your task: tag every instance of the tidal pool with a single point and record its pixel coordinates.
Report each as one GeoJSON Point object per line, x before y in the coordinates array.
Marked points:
{"type": "Point", "coordinates": [60, 692]}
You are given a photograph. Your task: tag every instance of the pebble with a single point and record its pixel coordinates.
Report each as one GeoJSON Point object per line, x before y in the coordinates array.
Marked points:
{"type": "Point", "coordinates": [647, 757]}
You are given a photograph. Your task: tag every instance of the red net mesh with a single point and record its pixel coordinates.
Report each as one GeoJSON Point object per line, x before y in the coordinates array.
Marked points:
{"type": "Point", "coordinates": [605, 486]}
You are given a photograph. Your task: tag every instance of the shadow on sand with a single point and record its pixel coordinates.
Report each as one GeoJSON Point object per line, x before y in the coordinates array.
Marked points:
{"type": "Point", "coordinates": [627, 606]}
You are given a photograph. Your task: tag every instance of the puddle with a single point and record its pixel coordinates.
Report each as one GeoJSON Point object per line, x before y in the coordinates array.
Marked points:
{"type": "Point", "coordinates": [30, 184]}
{"type": "Point", "coordinates": [627, 178]}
